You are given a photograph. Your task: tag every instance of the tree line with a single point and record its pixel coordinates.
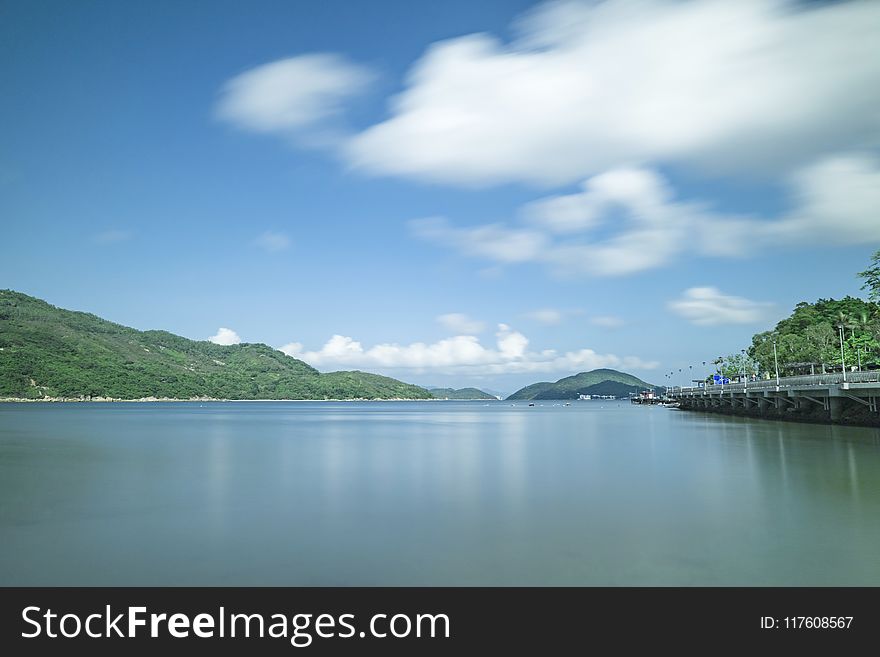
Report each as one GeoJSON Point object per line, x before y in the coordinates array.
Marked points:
{"type": "Point", "coordinates": [809, 341]}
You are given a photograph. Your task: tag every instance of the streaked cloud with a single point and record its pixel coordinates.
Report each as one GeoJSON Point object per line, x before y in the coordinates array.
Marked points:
{"type": "Point", "coordinates": [612, 93]}
{"type": "Point", "coordinates": [645, 226]}
{"type": "Point", "coordinates": [546, 316]}
{"type": "Point", "coordinates": [286, 96]}
{"type": "Point", "coordinates": [607, 321]}
{"type": "Point", "coordinates": [461, 324]}
{"type": "Point", "coordinates": [112, 236]}
{"type": "Point", "coordinates": [708, 306]}
{"type": "Point", "coordinates": [748, 86]}
{"type": "Point", "coordinates": [272, 242]}
{"type": "Point", "coordinates": [835, 200]}
{"type": "Point", "coordinates": [225, 336]}
{"type": "Point", "coordinates": [493, 241]}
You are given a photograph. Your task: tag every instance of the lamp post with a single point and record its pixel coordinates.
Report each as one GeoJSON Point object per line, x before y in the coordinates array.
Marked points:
{"type": "Point", "coordinates": [776, 363]}
{"type": "Point", "coordinates": [842, 359]}
{"type": "Point", "coordinates": [745, 381]}
{"type": "Point", "coordinates": [859, 356]}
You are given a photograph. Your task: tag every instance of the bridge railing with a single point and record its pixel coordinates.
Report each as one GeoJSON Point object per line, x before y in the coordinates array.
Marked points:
{"type": "Point", "coordinates": [785, 382]}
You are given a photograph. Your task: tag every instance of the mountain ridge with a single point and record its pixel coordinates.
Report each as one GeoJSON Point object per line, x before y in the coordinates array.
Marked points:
{"type": "Point", "coordinates": [602, 381]}
{"type": "Point", "coordinates": [48, 352]}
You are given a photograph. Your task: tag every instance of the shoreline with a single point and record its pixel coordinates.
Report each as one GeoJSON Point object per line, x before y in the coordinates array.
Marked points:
{"type": "Point", "coordinates": [150, 400]}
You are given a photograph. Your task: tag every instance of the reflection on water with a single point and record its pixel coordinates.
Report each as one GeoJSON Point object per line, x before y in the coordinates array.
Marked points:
{"type": "Point", "coordinates": [431, 493]}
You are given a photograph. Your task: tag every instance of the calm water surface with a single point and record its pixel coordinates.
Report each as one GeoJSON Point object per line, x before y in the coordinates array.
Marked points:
{"type": "Point", "coordinates": [437, 493]}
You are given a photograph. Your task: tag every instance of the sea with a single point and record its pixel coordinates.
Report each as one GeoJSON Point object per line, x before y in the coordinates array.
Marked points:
{"type": "Point", "coordinates": [441, 493]}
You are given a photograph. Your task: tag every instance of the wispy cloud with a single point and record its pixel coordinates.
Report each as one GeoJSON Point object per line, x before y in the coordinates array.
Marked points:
{"type": "Point", "coordinates": [495, 242]}
{"type": "Point", "coordinates": [546, 316]}
{"type": "Point", "coordinates": [582, 92]}
{"type": "Point", "coordinates": [461, 324]}
{"type": "Point", "coordinates": [647, 226]}
{"type": "Point", "coordinates": [272, 242]}
{"type": "Point", "coordinates": [287, 96]}
{"type": "Point", "coordinates": [607, 321]}
{"type": "Point", "coordinates": [707, 306]}
{"type": "Point", "coordinates": [463, 354]}
{"type": "Point", "coordinates": [112, 236]}
{"type": "Point", "coordinates": [225, 336]}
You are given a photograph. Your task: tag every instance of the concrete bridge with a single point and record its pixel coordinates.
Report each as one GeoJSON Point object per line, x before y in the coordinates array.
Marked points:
{"type": "Point", "coordinates": [818, 397]}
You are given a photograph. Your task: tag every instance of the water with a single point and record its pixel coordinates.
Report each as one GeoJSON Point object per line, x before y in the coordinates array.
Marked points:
{"type": "Point", "coordinates": [436, 493]}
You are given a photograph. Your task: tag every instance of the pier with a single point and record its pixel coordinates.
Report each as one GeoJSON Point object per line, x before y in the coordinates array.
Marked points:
{"type": "Point", "coordinates": [848, 398]}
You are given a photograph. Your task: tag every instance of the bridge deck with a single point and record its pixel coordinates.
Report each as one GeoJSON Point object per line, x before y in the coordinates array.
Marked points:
{"type": "Point", "coordinates": [834, 393]}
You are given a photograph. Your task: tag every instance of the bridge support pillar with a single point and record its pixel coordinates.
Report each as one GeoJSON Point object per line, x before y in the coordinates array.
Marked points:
{"type": "Point", "coordinates": [835, 405]}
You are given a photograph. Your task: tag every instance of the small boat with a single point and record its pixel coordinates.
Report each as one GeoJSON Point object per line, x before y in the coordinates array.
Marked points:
{"type": "Point", "coordinates": [531, 404]}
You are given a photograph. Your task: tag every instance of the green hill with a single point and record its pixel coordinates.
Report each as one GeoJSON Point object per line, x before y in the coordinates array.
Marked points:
{"type": "Point", "coordinates": [595, 382]}
{"type": "Point", "coordinates": [50, 352]}
{"type": "Point", "coordinates": [460, 393]}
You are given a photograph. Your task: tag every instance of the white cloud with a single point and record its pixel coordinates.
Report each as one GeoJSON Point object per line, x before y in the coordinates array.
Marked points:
{"type": "Point", "coordinates": [225, 337]}
{"type": "Point", "coordinates": [272, 242]}
{"type": "Point", "coordinates": [707, 306]}
{"type": "Point", "coordinates": [641, 191]}
{"type": "Point", "coordinates": [461, 324]}
{"type": "Point", "coordinates": [287, 95]}
{"type": "Point", "coordinates": [463, 354]}
{"type": "Point", "coordinates": [655, 229]}
{"type": "Point", "coordinates": [753, 85]}
{"type": "Point", "coordinates": [836, 201]}
{"type": "Point", "coordinates": [493, 241]}
{"type": "Point", "coordinates": [645, 226]}
{"type": "Point", "coordinates": [548, 316]}
{"type": "Point", "coordinates": [607, 321]}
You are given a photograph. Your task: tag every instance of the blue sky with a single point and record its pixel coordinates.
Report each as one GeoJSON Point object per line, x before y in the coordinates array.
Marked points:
{"type": "Point", "coordinates": [462, 193]}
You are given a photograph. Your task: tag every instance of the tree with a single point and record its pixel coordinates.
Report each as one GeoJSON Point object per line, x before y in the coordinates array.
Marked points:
{"type": "Point", "coordinates": [735, 365]}
{"type": "Point", "coordinates": [844, 322]}
{"type": "Point", "coordinates": [872, 278]}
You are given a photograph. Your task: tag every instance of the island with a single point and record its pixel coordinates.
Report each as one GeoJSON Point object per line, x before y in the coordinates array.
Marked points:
{"type": "Point", "coordinates": [599, 382]}
{"type": "Point", "coordinates": [460, 393]}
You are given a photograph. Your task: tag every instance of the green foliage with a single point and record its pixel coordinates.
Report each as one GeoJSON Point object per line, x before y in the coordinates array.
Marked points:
{"type": "Point", "coordinates": [735, 365]}
{"type": "Point", "coordinates": [872, 278]}
{"type": "Point", "coordinates": [811, 334]}
{"type": "Point", "coordinates": [595, 382]}
{"type": "Point", "coordinates": [50, 352]}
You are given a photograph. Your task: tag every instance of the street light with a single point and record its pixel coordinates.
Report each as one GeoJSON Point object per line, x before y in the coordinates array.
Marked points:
{"type": "Point", "coordinates": [842, 359]}
{"type": "Point", "coordinates": [776, 363]}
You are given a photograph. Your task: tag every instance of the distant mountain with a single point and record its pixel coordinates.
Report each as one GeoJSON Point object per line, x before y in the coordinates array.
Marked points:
{"type": "Point", "coordinates": [50, 352]}
{"type": "Point", "coordinates": [496, 393]}
{"type": "Point", "coordinates": [460, 393]}
{"type": "Point", "coordinates": [595, 382]}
